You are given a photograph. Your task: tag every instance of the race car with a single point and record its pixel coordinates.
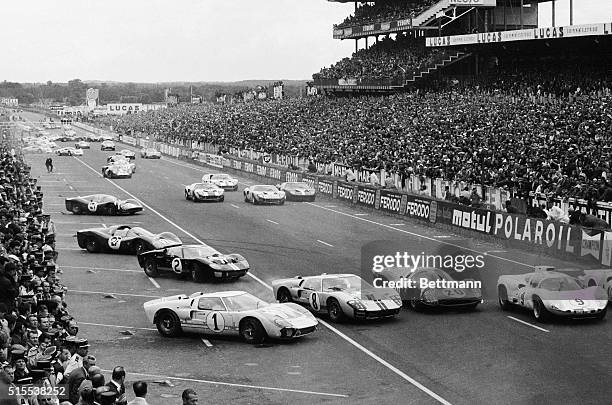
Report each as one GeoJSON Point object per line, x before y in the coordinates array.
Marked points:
{"type": "Point", "coordinates": [264, 194]}
{"type": "Point", "coordinates": [107, 145]}
{"type": "Point", "coordinates": [150, 153]}
{"type": "Point", "coordinates": [201, 262]}
{"type": "Point", "coordinates": [117, 170]}
{"type": "Point", "coordinates": [428, 287]}
{"type": "Point", "coordinates": [551, 293]}
{"type": "Point", "coordinates": [340, 296]}
{"type": "Point", "coordinates": [297, 191]}
{"type": "Point", "coordinates": [124, 239]}
{"type": "Point", "coordinates": [597, 277]}
{"type": "Point", "coordinates": [223, 180]}
{"type": "Point", "coordinates": [120, 159]}
{"type": "Point", "coordinates": [128, 154]}
{"type": "Point", "coordinates": [204, 192]}
{"type": "Point", "coordinates": [82, 145]}
{"type": "Point", "coordinates": [231, 313]}
{"type": "Point", "coordinates": [69, 152]}
{"type": "Point", "coordinates": [102, 204]}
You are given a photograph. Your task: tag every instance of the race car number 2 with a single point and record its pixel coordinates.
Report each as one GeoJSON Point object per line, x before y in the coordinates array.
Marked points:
{"type": "Point", "coordinates": [314, 301]}
{"type": "Point", "coordinates": [92, 206]}
{"type": "Point", "coordinates": [177, 266]}
{"type": "Point", "coordinates": [114, 242]}
{"type": "Point", "coordinates": [215, 322]}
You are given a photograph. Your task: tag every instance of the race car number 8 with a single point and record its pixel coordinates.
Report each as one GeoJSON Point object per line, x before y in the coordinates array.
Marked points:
{"type": "Point", "coordinates": [215, 322]}
{"type": "Point", "coordinates": [314, 301]}
{"type": "Point", "coordinates": [114, 242]}
{"type": "Point", "coordinates": [92, 206]}
{"type": "Point", "coordinates": [177, 266]}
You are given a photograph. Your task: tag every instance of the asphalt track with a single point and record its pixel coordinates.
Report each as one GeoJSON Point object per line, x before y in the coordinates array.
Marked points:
{"type": "Point", "coordinates": [481, 357]}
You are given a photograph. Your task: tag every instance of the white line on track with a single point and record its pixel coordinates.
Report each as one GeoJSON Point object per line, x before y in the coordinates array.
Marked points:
{"type": "Point", "coordinates": [360, 215]}
{"type": "Point", "coordinates": [346, 338]}
{"type": "Point", "coordinates": [100, 268]}
{"type": "Point", "coordinates": [325, 243]}
{"type": "Point", "coordinates": [415, 234]}
{"type": "Point", "coordinates": [76, 223]}
{"type": "Point", "coordinates": [256, 387]}
{"type": "Point", "coordinates": [153, 282]}
{"type": "Point", "coordinates": [397, 224]}
{"type": "Point", "coordinates": [269, 220]}
{"type": "Point", "coordinates": [496, 251]}
{"type": "Point", "coordinates": [113, 326]}
{"type": "Point", "coordinates": [235, 206]}
{"type": "Point", "coordinates": [250, 274]}
{"type": "Point", "coordinates": [528, 324]}
{"type": "Point", "coordinates": [113, 293]}
{"type": "Point", "coordinates": [207, 342]}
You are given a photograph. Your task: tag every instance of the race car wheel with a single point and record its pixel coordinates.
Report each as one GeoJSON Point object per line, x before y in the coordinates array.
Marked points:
{"type": "Point", "coordinates": [284, 295]}
{"type": "Point", "coordinates": [246, 199]}
{"type": "Point", "coordinates": [168, 324]}
{"type": "Point", "coordinates": [539, 310]}
{"type": "Point", "coordinates": [186, 196]}
{"type": "Point", "coordinates": [222, 198]}
{"type": "Point", "coordinates": [139, 248]}
{"type": "Point", "coordinates": [282, 202]}
{"type": "Point", "coordinates": [198, 275]}
{"type": "Point", "coordinates": [502, 297]}
{"type": "Point", "coordinates": [112, 210]}
{"type": "Point", "coordinates": [600, 316]}
{"type": "Point", "coordinates": [150, 268]}
{"type": "Point", "coordinates": [416, 305]}
{"type": "Point", "coordinates": [610, 293]}
{"type": "Point", "coordinates": [92, 246]}
{"type": "Point", "coordinates": [76, 209]}
{"type": "Point", "coordinates": [335, 311]}
{"type": "Point", "coordinates": [251, 331]}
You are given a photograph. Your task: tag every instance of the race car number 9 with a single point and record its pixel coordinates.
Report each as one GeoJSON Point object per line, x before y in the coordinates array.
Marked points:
{"type": "Point", "coordinates": [215, 322]}
{"type": "Point", "coordinates": [314, 301]}
{"type": "Point", "coordinates": [92, 206]}
{"type": "Point", "coordinates": [177, 266]}
{"type": "Point", "coordinates": [114, 242]}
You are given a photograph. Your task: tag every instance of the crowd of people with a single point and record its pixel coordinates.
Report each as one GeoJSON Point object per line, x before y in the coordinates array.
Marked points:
{"type": "Point", "coordinates": [398, 58]}
{"type": "Point", "coordinates": [384, 11]}
{"type": "Point", "coordinates": [44, 360]}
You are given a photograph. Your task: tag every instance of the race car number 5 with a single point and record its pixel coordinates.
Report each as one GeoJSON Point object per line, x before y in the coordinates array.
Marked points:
{"type": "Point", "coordinates": [215, 322]}
{"type": "Point", "coordinates": [114, 242]}
{"type": "Point", "coordinates": [314, 301]}
{"type": "Point", "coordinates": [92, 206]}
{"type": "Point", "coordinates": [177, 266]}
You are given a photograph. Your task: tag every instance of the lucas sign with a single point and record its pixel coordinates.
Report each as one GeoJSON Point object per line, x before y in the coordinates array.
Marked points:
{"type": "Point", "coordinates": [124, 108]}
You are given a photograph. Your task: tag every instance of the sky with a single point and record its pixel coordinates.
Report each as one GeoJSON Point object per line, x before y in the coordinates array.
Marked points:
{"type": "Point", "coordinates": [187, 40]}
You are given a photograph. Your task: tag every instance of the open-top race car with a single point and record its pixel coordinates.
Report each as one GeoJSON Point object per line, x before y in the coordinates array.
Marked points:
{"type": "Point", "coordinates": [297, 191]}
{"type": "Point", "coordinates": [551, 293]}
{"type": "Point", "coordinates": [82, 145]}
{"type": "Point", "coordinates": [124, 239]}
{"type": "Point", "coordinates": [339, 295]}
{"type": "Point", "coordinates": [118, 170]}
{"type": "Point", "coordinates": [69, 152]}
{"type": "Point", "coordinates": [128, 154]}
{"type": "Point", "coordinates": [107, 145]}
{"type": "Point", "coordinates": [233, 313]}
{"type": "Point", "coordinates": [120, 159]}
{"type": "Point", "coordinates": [150, 153]}
{"type": "Point", "coordinates": [264, 194]}
{"type": "Point", "coordinates": [102, 204]}
{"type": "Point", "coordinates": [223, 180]}
{"type": "Point", "coordinates": [201, 262]}
{"type": "Point", "coordinates": [428, 287]}
{"type": "Point", "coordinates": [204, 192]}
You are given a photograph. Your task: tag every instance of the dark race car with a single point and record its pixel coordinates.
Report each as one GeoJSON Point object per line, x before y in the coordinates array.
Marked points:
{"type": "Point", "coordinates": [297, 191]}
{"type": "Point", "coordinates": [124, 239]}
{"type": "Point", "coordinates": [102, 204]}
{"type": "Point", "coordinates": [201, 262]}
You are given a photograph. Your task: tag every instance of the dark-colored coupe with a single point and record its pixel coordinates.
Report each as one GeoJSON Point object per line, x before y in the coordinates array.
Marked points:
{"type": "Point", "coordinates": [124, 239]}
{"type": "Point", "coordinates": [200, 262]}
{"type": "Point", "coordinates": [102, 204]}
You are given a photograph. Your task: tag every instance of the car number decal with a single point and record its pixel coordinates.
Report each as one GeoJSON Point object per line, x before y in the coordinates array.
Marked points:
{"type": "Point", "coordinates": [314, 301]}
{"type": "Point", "coordinates": [115, 242]}
{"type": "Point", "coordinates": [177, 266]}
{"type": "Point", "coordinates": [92, 206]}
{"type": "Point", "coordinates": [215, 322]}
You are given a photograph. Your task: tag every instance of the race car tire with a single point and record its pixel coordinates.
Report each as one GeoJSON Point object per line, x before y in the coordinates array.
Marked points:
{"type": "Point", "coordinates": [222, 198]}
{"type": "Point", "coordinates": [76, 209]}
{"type": "Point", "coordinates": [610, 293]}
{"type": "Point", "coordinates": [150, 268]}
{"type": "Point", "coordinates": [334, 310]}
{"type": "Point", "coordinates": [282, 202]}
{"type": "Point", "coordinates": [168, 324]}
{"type": "Point", "coordinates": [502, 298]}
{"type": "Point", "coordinates": [246, 199]}
{"type": "Point", "coordinates": [416, 305]}
{"type": "Point", "coordinates": [198, 274]}
{"type": "Point", "coordinates": [600, 316]}
{"type": "Point", "coordinates": [92, 245]}
{"type": "Point", "coordinates": [539, 310]}
{"type": "Point", "coordinates": [112, 210]}
{"type": "Point", "coordinates": [251, 331]}
{"type": "Point", "coordinates": [187, 196]}
{"type": "Point", "coordinates": [139, 248]}
{"type": "Point", "coordinates": [284, 295]}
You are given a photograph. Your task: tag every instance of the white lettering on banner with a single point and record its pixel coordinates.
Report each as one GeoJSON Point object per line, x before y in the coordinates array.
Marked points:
{"type": "Point", "coordinates": [591, 245]}
{"type": "Point", "coordinates": [236, 164]}
{"type": "Point", "coordinates": [472, 220]}
{"type": "Point", "coordinates": [546, 33]}
{"type": "Point", "coordinates": [291, 176]}
{"type": "Point", "coordinates": [325, 187]}
{"type": "Point", "coordinates": [261, 170]}
{"type": "Point", "coordinates": [369, 27]}
{"type": "Point", "coordinates": [390, 203]}
{"type": "Point", "coordinates": [309, 181]}
{"type": "Point", "coordinates": [248, 167]}
{"type": "Point", "coordinates": [274, 173]}
{"type": "Point", "coordinates": [418, 209]}
{"type": "Point", "coordinates": [345, 192]}
{"type": "Point", "coordinates": [121, 109]}
{"type": "Point", "coordinates": [366, 197]}
{"type": "Point", "coordinates": [473, 3]}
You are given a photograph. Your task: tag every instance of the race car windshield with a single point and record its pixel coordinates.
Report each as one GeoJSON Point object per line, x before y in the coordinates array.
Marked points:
{"type": "Point", "coordinates": [560, 284]}
{"type": "Point", "coordinates": [202, 186]}
{"type": "Point", "coordinates": [348, 283]}
{"type": "Point", "coordinates": [221, 177]}
{"type": "Point", "coordinates": [169, 236]}
{"type": "Point", "coordinates": [293, 186]}
{"type": "Point", "coordinates": [194, 252]}
{"type": "Point", "coordinates": [244, 302]}
{"type": "Point", "coordinates": [264, 188]}
{"type": "Point", "coordinates": [151, 150]}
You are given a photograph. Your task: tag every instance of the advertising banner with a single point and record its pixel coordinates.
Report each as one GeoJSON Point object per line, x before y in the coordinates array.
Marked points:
{"type": "Point", "coordinates": [310, 180]}
{"type": "Point", "coordinates": [366, 196]}
{"type": "Point", "coordinates": [325, 187]}
{"type": "Point", "coordinates": [345, 191]}
{"type": "Point", "coordinates": [419, 208]}
{"type": "Point", "coordinates": [124, 108]}
{"type": "Point", "coordinates": [391, 202]}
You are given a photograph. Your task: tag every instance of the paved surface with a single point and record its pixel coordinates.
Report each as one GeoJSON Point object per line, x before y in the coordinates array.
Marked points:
{"type": "Point", "coordinates": [480, 357]}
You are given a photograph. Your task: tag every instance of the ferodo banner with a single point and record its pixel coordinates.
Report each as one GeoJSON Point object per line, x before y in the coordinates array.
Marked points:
{"type": "Point", "coordinates": [345, 191]}
{"type": "Point", "coordinates": [418, 207]}
{"type": "Point", "coordinates": [325, 187]}
{"type": "Point", "coordinates": [366, 196]}
{"type": "Point", "coordinates": [312, 181]}
{"type": "Point", "coordinates": [390, 201]}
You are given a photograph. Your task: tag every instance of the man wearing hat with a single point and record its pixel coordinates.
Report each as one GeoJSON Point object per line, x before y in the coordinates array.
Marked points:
{"type": "Point", "coordinates": [108, 398]}
{"type": "Point", "coordinates": [76, 361]}
{"type": "Point", "coordinates": [18, 359]}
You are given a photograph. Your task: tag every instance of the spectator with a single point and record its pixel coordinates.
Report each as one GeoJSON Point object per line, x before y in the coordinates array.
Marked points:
{"type": "Point", "coordinates": [189, 397]}
{"type": "Point", "coordinates": [116, 384]}
{"type": "Point", "coordinates": [76, 377]}
{"type": "Point", "coordinates": [140, 391]}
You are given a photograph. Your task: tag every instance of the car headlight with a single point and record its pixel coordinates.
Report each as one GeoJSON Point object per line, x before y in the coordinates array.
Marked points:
{"type": "Point", "coordinates": [356, 304]}
{"type": "Point", "coordinates": [429, 295]}
{"type": "Point", "coordinates": [281, 323]}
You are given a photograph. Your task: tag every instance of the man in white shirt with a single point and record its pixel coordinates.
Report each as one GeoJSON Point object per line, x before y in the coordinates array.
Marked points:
{"type": "Point", "coordinates": [140, 390]}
